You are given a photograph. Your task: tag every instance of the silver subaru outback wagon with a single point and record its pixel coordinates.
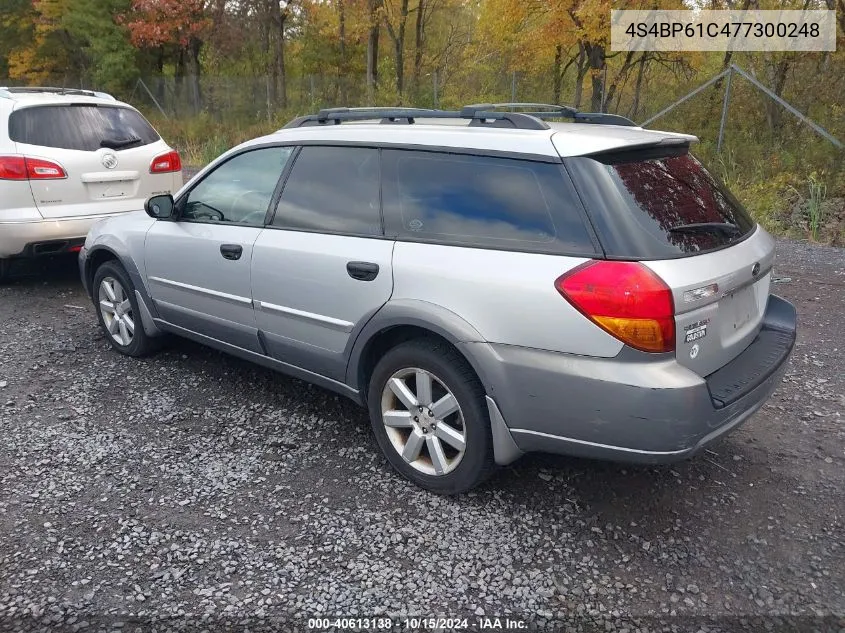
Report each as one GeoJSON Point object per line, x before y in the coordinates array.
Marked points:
{"type": "Point", "coordinates": [487, 282]}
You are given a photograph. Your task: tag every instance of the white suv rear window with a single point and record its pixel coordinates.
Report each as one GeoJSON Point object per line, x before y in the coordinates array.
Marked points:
{"type": "Point", "coordinates": [84, 127]}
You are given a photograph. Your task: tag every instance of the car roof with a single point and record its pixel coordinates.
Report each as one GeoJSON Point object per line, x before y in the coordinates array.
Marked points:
{"type": "Point", "coordinates": [561, 139]}
{"type": "Point", "coordinates": [55, 96]}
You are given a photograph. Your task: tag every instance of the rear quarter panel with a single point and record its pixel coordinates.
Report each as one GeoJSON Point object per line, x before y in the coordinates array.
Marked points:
{"type": "Point", "coordinates": [509, 297]}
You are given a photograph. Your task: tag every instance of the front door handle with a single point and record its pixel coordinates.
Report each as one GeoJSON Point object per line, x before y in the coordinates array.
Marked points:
{"type": "Point", "coordinates": [362, 271]}
{"type": "Point", "coordinates": [231, 251]}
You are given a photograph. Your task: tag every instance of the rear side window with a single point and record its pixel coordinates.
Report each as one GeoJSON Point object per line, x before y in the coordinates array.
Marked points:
{"type": "Point", "coordinates": [657, 207]}
{"type": "Point", "coordinates": [482, 201]}
{"type": "Point", "coordinates": [80, 127]}
{"type": "Point", "coordinates": [332, 190]}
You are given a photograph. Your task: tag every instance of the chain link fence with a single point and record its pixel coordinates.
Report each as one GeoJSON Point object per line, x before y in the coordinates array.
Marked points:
{"type": "Point", "coordinates": [771, 152]}
{"type": "Point", "coordinates": [748, 116]}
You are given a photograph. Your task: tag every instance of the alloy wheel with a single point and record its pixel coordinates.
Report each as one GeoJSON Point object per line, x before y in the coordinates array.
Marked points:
{"type": "Point", "coordinates": [423, 421]}
{"type": "Point", "coordinates": [116, 311]}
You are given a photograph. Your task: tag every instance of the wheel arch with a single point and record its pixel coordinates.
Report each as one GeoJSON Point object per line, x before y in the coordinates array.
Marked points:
{"type": "Point", "coordinates": [405, 320]}
{"type": "Point", "coordinates": [96, 257]}
{"type": "Point", "coordinates": [400, 321]}
{"type": "Point", "coordinates": [102, 253]}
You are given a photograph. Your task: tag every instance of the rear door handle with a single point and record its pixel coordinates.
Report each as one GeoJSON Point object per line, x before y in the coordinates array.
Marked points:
{"type": "Point", "coordinates": [362, 271]}
{"type": "Point", "coordinates": [231, 251]}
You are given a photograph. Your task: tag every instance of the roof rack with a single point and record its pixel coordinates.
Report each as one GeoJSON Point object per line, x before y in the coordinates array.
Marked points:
{"type": "Point", "coordinates": [336, 116]}
{"type": "Point", "coordinates": [479, 114]}
{"type": "Point", "coordinates": [553, 111]}
{"type": "Point", "coordinates": [9, 92]}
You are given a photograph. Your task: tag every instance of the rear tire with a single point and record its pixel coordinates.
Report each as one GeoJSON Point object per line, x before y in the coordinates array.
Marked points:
{"type": "Point", "coordinates": [118, 313]}
{"type": "Point", "coordinates": [430, 418]}
{"type": "Point", "coordinates": [5, 268]}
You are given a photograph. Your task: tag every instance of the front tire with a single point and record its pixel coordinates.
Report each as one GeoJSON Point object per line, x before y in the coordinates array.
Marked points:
{"type": "Point", "coordinates": [118, 313]}
{"type": "Point", "coordinates": [429, 416]}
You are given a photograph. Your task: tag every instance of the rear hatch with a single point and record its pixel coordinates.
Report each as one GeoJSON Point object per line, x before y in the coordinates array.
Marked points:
{"type": "Point", "coordinates": [103, 154]}
{"type": "Point", "coordinates": [660, 206]}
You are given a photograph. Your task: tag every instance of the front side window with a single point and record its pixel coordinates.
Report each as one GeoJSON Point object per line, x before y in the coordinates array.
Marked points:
{"type": "Point", "coordinates": [482, 201]}
{"type": "Point", "coordinates": [238, 191]}
{"type": "Point", "coordinates": [332, 190]}
{"type": "Point", "coordinates": [81, 127]}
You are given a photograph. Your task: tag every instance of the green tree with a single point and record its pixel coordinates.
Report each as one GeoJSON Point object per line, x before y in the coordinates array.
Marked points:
{"type": "Point", "coordinates": [93, 26]}
{"type": "Point", "coordinates": [16, 27]}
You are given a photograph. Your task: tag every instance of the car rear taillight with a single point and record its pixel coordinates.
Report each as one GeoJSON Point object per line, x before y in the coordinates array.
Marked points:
{"type": "Point", "coordinates": [625, 299]}
{"type": "Point", "coordinates": [166, 163]}
{"type": "Point", "coordinates": [12, 168]}
{"type": "Point", "coordinates": [25, 168]}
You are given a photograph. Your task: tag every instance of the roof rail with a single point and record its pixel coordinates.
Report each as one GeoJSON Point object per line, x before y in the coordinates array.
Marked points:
{"type": "Point", "coordinates": [479, 114]}
{"type": "Point", "coordinates": [560, 110]}
{"type": "Point", "coordinates": [336, 116]}
{"type": "Point", "coordinates": [9, 92]}
{"type": "Point", "coordinates": [551, 111]}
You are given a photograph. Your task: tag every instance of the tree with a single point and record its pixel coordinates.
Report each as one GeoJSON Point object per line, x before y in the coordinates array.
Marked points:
{"type": "Point", "coordinates": [396, 20]}
{"type": "Point", "coordinates": [179, 25]}
{"type": "Point", "coordinates": [46, 51]}
{"type": "Point", "coordinates": [17, 26]}
{"type": "Point", "coordinates": [374, 22]}
{"type": "Point", "coordinates": [279, 14]}
{"type": "Point", "coordinates": [110, 58]}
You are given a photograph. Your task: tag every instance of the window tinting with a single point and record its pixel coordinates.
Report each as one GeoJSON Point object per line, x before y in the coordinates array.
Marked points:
{"type": "Point", "coordinates": [482, 201]}
{"type": "Point", "coordinates": [238, 191]}
{"type": "Point", "coordinates": [80, 127]}
{"type": "Point", "coordinates": [658, 207]}
{"type": "Point", "coordinates": [332, 189]}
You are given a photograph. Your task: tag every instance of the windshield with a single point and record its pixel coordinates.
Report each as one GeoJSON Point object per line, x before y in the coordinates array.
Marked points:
{"type": "Point", "coordinates": [648, 206]}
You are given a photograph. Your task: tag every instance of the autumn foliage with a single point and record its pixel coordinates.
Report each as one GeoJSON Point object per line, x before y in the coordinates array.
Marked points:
{"type": "Point", "coordinates": [213, 64]}
{"type": "Point", "coordinates": [154, 23]}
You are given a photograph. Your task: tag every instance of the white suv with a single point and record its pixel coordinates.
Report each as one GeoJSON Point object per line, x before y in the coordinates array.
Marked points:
{"type": "Point", "coordinates": [68, 158]}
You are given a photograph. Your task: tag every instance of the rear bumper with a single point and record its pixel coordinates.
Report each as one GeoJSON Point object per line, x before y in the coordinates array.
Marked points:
{"type": "Point", "coordinates": [635, 408]}
{"type": "Point", "coordinates": [21, 239]}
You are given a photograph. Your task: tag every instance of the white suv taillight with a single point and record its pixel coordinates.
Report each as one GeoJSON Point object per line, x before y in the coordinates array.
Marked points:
{"type": "Point", "coordinates": [26, 168]}
{"type": "Point", "coordinates": [166, 163]}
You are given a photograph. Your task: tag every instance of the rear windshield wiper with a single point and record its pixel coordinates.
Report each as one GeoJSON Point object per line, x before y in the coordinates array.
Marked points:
{"type": "Point", "coordinates": [119, 143]}
{"type": "Point", "coordinates": [707, 227]}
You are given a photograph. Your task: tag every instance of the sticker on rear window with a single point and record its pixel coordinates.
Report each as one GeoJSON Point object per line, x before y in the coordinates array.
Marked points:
{"type": "Point", "coordinates": [695, 331]}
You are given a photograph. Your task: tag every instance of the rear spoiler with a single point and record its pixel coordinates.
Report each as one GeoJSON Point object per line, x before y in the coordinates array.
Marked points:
{"type": "Point", "coordinates": [664, 148]}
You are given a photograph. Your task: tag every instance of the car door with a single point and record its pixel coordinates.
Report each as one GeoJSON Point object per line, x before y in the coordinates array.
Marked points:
{"type": "Point", "coordinates": [323, 267]}
{"type": "Point", "coordinates": [198, 266]}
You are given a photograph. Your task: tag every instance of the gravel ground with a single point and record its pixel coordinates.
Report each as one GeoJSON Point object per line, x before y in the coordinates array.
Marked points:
{"type": "Point", "coordinates": [193, 491]}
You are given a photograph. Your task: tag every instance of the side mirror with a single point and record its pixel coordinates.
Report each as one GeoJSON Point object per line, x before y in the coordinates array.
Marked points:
{"type": "Point", "coordinates": [160, 207]}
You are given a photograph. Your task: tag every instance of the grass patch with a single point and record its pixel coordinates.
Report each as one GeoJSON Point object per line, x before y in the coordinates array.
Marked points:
{"type": "Point", "coordinates": [201, 139]}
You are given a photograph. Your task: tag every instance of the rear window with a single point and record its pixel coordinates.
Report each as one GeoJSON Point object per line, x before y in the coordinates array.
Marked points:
{"type": "Point", "coordinates": [80, 127]}
{"type": "Point", "coordinates": [482, 201]}
{"type": "Point", "coordinates": [657, 206]}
